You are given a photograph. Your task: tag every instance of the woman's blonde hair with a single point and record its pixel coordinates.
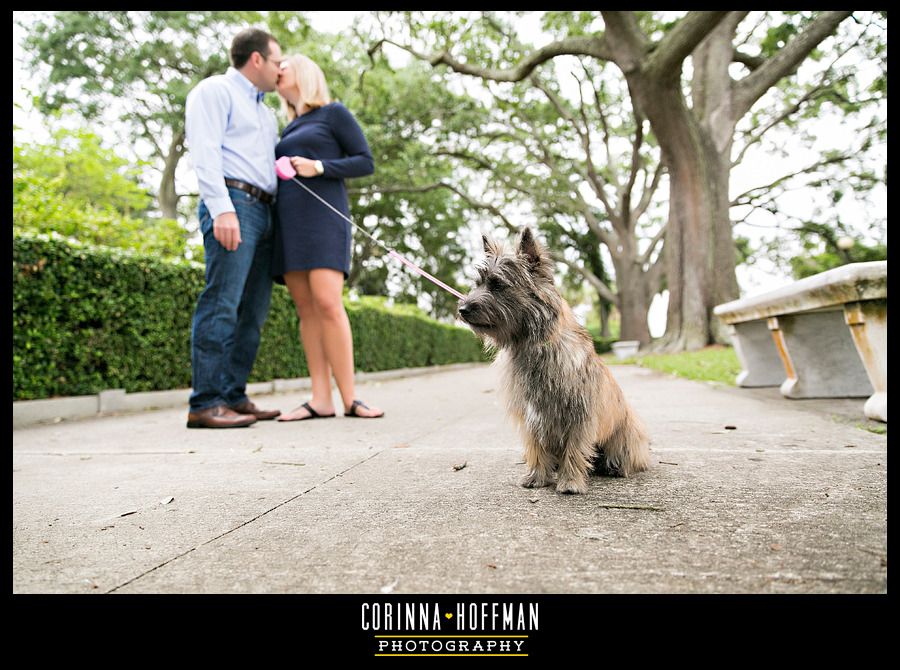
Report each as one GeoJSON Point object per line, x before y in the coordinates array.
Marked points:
{"type": "Point", "coordinates": [311, 80]}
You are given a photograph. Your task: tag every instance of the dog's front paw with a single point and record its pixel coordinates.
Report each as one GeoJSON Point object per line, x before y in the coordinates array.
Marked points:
{"type": "Point", "coordinates": [534, 481]}
{"type": "Point", "coordinates": [571, 486]}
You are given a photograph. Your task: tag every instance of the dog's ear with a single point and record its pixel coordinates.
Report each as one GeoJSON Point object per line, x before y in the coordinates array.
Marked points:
{"type": "Point", "coordinates": [491, 247]}
{"type": "Point", "coordinates": [530, 248]}
{"type": "Point", "coordinates": [538, 261]}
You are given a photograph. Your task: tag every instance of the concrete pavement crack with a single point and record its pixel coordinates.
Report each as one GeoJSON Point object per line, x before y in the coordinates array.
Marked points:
{"type": "Point", "coordinates": [281, 504]}
{"type": "Point", "coordinates": [245, 523]}
{"type": "Point", "coordinates": [103, 453]}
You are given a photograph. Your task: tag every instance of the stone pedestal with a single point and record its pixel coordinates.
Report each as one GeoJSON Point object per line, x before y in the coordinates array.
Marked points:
{"type": "Point", "coordinates": [756, 351]}
{"type": "Point", "coordinates": [868, 327]}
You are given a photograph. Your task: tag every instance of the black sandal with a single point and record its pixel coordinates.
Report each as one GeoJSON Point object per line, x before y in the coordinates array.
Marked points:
{"type": "Point", "coordinates": [359, 403]}
{"type": "Point", "coordinates": [313, 414]}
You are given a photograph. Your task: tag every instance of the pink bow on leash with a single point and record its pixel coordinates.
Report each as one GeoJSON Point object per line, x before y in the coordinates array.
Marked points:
{"type": "Point", "coordinates": [285, 170]}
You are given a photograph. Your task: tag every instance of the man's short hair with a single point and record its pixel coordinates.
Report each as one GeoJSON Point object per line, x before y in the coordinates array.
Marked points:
{"type": "Point", "coordinates": [246, 42]}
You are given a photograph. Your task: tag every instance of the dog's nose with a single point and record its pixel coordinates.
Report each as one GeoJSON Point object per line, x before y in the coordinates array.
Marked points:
{"type": "Point", "coordinates": [466, 309]}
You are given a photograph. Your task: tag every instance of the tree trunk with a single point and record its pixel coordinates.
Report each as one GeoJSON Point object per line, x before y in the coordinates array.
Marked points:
{"type": "Point", "coordinates": [168, 198]}
{"type": "Point", "coordinates": [689, 254]}
{"type": "Point", "coordinates": [634, 296]}
{"type": "Point", "coordinates": [712, 98]}
{"type": "Point", "coordinates": [604, 317]}
{"type": "Point", "coordinates": [689, 264]}
{"type": "Point", "coordinates": [725, 286]}
{"type": "Point", "coordinates": [696, 144]}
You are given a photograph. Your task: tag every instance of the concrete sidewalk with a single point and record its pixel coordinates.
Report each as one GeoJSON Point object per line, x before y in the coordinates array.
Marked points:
{"type": "Point", "coordinates": [791, 500]}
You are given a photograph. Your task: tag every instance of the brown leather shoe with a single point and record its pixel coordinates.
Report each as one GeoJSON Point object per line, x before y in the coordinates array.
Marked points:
{"type": "Point", "coordinates": [248, 407]}
{"type": "Point", "coordinates": [218, 417]}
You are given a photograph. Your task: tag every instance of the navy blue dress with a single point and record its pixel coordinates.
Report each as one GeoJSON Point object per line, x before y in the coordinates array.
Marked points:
{"type": "Point", "coordinates": [308, 234]}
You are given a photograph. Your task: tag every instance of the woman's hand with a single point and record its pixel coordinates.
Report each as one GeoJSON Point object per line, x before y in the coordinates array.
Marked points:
{"type": "Point", "coordinates": [305, 167]}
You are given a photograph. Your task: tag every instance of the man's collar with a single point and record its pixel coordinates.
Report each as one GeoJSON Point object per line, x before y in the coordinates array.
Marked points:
{"type": "Point", "coordinates": [245, 84]}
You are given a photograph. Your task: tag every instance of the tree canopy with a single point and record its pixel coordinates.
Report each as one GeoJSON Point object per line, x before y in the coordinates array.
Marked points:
{"type": "Point", "coordinates": [73, 186]}
{"type": "Point", "coordinates": [621, 135]}
{"type": "Point", "coordinates": [711, 85]}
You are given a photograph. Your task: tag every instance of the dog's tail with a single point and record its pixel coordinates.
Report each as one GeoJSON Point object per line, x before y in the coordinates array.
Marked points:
{"type": "Point", "coordinates": [626, 451]}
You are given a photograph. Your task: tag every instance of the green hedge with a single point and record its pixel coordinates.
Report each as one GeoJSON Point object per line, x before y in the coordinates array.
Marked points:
{"type": "Point", "coordinates": [603, 345]}
{"type": "Point", "coordinates": [87, 319]}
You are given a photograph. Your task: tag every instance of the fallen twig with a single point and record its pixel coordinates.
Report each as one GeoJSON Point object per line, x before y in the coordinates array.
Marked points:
{"type": "Point", "coordinates": [646, 507]}
{"type": "Point", "coordinates": [874, 553]}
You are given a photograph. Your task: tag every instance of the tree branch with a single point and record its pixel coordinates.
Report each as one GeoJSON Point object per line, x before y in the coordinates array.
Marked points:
{"type": "Point", "coordinates": [478, 160]}
{"type": "Point", "coordinates": [750, 32]}
{"type": "Point", "coordinates": [595, 180]}
{"type": "Point", "coordinates": [434, 186]}
{"type": "Point", "coordinates": [787, 113]}
{"type": "Point", "coordinates": [660, 234]}
{"type": "Point", "coordinates": [609, 238]}
{"type": "Point", "coordinates": [677, 44]}
{"type": "Point", "coordinates": [580, 45]}
{"type": "Point", "coordinates": [611, 162]}
{"type": "Point", "coordinates": [749, 194]}
{"type": "Point", "coordinates": [752, 62]}
{"type": "Point", "coordinates": [625, 193]}
{"type": "Point", "coordinates": [368, 191]}
{"type": "Point", "coordinates": [647, 195]}
{"type": "Point", "coordinates": [616, 215]}
{"type": "Point", "coordinates": [656, 272]}
{"type": "Point", "coordinates": [821, 87]}
{"type": "Point", "coordinates": [751, 88]}
{"type": "Point", "coordinates": [149, 135]}
{"type": "Point", "coordinates": [602, 289]}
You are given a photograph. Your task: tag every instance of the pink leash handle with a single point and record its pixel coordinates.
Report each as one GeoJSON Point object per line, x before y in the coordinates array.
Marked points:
{"type": "Point", "coordinates": [286, 171]}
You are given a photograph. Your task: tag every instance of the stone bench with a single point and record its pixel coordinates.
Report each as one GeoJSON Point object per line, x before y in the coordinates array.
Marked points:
{"type": "Point", "coordinates": [823, 336]}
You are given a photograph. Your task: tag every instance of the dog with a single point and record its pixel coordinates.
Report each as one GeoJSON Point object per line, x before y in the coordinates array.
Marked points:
{"type": "Point", "coordinates": [572, 414]}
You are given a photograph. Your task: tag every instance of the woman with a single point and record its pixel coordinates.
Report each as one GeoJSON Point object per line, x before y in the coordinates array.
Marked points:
{"type": "Point", "coordinates": [312, 243]}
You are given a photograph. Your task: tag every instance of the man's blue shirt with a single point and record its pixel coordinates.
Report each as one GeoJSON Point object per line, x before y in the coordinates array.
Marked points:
{"type": "Point", "coordinates": [230, 133]}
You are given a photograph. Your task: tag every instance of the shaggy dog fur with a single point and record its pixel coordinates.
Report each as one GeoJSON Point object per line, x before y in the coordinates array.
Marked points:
{"type": "Point", "coordinates": [571, 412]}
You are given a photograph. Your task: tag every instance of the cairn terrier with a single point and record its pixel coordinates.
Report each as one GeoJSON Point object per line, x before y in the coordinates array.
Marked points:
{"type": "Point", "coordinates": [571, 412]}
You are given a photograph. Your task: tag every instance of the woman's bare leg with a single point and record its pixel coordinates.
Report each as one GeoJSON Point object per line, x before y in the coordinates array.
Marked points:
{"type": "Point", "coordinates": [311, 336]}
{"type": "Point", "coordinates": [327, 289]}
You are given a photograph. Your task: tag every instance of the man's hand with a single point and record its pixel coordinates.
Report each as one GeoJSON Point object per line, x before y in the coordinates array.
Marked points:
{"type": "Point", "coordinates": [305, 167]}
{"type": "Point", "coordinates": [227, 230]}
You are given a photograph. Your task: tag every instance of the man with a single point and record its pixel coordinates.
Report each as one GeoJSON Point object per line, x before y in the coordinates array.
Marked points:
{"type": "Point", "coordinates": [231, 136]}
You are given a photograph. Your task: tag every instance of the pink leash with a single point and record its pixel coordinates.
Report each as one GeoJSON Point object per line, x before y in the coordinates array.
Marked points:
{"type": "Point", "coordinates": [286, 171]}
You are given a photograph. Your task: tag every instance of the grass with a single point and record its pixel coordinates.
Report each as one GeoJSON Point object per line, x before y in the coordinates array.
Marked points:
{"type": "Point", "coordinates": [715, 363]}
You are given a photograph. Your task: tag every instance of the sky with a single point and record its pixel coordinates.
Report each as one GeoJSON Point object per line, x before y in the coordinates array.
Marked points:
{"type": "Point", "coordinates": [755, 170]}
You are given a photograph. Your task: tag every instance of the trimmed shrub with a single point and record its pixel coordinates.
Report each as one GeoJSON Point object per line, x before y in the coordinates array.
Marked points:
{"type": "Point", "coordinates": [86, 319]}
{"type": "Point", "coordinates": [603, 344]}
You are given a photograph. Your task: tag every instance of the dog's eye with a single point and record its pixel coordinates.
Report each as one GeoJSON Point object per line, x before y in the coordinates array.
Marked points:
{"type": "Point", "coordinates": [495, 284]}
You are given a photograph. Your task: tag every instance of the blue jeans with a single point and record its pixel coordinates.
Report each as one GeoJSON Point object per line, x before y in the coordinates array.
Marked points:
{"type": "Point", "coordinates": [232, 308]}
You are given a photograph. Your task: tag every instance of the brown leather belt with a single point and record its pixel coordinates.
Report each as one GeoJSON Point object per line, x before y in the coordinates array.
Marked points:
{"type": "Point", "coordinates": [255, 191]}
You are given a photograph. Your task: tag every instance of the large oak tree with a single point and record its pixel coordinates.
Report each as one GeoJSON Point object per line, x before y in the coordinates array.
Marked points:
{"type": "Point", "coordinates": [694, 120]}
